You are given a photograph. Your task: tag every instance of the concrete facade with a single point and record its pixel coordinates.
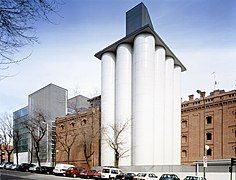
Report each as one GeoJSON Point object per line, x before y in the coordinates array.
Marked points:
{"type": "Point", "coordinates": [219, 122]}
{"type": "Point", "coordinates": [140, 74]}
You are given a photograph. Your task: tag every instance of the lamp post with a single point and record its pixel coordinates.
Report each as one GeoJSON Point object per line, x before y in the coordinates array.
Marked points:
{"type": "Point", "coordinates": [202, 94]}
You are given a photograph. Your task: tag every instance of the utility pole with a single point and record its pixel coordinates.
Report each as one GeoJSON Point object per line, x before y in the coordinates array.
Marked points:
{"type": "Point", "coordinates": [202, 94]}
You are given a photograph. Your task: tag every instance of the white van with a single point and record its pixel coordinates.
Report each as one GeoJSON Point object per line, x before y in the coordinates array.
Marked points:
{"type": "Point", "coordinates": [110, 172]}
{"type": "Point", "coordinates": [60, 169]}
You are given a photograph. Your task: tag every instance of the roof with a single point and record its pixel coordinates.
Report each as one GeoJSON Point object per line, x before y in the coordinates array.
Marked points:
{"type": "Point", "coordinates": [130, 38]}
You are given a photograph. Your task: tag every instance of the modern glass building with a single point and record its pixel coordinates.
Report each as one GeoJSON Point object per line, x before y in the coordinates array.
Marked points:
{"type": "Point", "coordinates": [20, 118]}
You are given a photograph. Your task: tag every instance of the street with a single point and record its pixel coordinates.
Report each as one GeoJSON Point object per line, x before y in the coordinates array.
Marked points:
{"type": "Point", "coordinates": [17, 175]}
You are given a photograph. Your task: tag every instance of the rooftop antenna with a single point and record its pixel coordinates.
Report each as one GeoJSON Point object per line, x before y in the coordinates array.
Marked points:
{"type": "Point", "coordinates": [215, 82]}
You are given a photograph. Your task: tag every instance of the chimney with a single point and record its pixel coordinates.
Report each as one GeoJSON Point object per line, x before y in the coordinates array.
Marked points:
{"type": "Point", "coordinates": [191, 97]}
{"type": "Point", "coordinates": [203, 94]}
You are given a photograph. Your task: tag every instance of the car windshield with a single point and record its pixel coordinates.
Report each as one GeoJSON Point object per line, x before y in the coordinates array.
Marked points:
{"type": "Point", "coordinates": [141, 174]}
{"type": "Point", "coordinates": [106, 170]}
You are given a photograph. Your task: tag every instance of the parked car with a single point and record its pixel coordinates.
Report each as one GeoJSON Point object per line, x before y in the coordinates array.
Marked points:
{"type": "Point", "coordinates": [120, 176]}
{"type": "Point", "coordinates": [93, 174]}
{"type": "Point", "coordinates": [110, 172]}
{"type": "Point", "coordinates": [2, 165]}
{"type": "Point", "coordinates": [129, 176]}
{"type": "Point", "coordinates": [44, 170]}
{"type": "Point", "coordinates": [33, 168]}
{"type": "Point", "coordinates": [60, 169]}
{"type": "Point", "coordinates": [15, 167]}
{"type": "Point", "coordinates": [194, 178]}
{"type": "Point", "coordinates": [146, 176]}
{"type": "Point", "coordinates": [74, 171]}
{"type": "Point", "coordinates": [8, 165]}
{"type": "Point", "coordinates": [169, 177]}
{"type": "Point", "coordinates": [84, 174]}
{"type": "Point", "coordinates": [25, 167]}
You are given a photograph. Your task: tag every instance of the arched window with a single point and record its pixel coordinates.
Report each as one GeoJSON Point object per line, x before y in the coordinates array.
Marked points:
{"type": "Point", "coordinates": [72, 124]}
{"type": "Point", "coordinates": [209, 136]}
{"type": "Point", "coordinates": [184, 124]}
{"type": "Point", "coordinates": [209, 152]}
{"type": "Point", "coordinates": [184, 153]}
{"type": "Point", "coordinates": [62, 126]}
{"type": "Point", "coordinates": [83, 122]}
{"type": "Point", "coordinates": [184, 139]}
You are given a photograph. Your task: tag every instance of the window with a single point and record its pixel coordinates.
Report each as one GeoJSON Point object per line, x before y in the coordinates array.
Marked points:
{"type": "Point", "coordinates": [184, 124]}
{"type": "Point", "coordinates": [113, 171]}
{"type": "Point", "coordinates": [209, 152]}
{"type": "Point", "coordinates": [209, 119]}
{"type": "Point", "coordinates": [184, 153]}
{"type": "Point", "coordinates": [72, 124]}
{"type": "Point", "coordinates": [62, 126]}
{"type": "Point", "coordinates": [83, 122]}
{"type": "Point", "coordinates": [209, 136]}
{"type": "Point", "coordinates": [184, 139]}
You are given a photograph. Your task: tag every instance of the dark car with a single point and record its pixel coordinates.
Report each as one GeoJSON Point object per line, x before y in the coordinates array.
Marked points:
{"type": "Point", "coordinates": [25, 167]}
{"type": "Point", "coordinates": [194, 178]}
{"type": "Point", "coordinates": [120, 176]}
{"type": "Point", "coordinates": [44, 170]}
{"type": "Point", "coordinates": [169, 177]}
{"type": "Point", "coordinates": [74, 171]}
{"type": "Point", "coordinates": [129, 176]}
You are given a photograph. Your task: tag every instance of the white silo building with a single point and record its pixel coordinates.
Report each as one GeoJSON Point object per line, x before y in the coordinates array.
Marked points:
{"type": "Point", "coordinates": [141, 83]}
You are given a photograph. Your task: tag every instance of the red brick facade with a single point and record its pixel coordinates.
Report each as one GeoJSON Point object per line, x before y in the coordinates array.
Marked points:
{"type": "Point", "coordinates": [219, 122]}
{"type": "Point", "coordinates": [85, 126]}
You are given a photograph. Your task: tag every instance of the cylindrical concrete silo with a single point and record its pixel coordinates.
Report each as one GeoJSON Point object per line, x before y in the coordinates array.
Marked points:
{"type": "Point", "coordinates": [107, 107]}
{"type": "Point", "coordinates": [123, 99]}
{"type": "Point", "coordinates": [177, 116]}
{"type": "Point", "coordinates": [142, 99]}
{"type": "Point", "coordinates": [159, 101]}
{"type": "Point", "coordinates": [168, 125]}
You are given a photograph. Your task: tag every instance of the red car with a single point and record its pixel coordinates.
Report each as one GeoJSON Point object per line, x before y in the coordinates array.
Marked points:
{"type": "Point", "coordinates": [90, 174]}
{"type": "Point", "coordinates": [74, 171]}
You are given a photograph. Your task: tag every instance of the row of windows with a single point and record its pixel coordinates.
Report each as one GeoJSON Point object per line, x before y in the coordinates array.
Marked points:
{"type": "Point", "coordinates": [209, 120]}
{"type": "Point", "coordinates": [184, 153]}
{"type": "Point", "coordinates": [83, 122]}
{"type": "Point", "coordinates": [209, 137]}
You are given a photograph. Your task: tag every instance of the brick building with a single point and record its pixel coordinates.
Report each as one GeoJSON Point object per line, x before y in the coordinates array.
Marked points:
{"type": "Point", "coordinates": [219, 122]}
{"type": "Point", "coordinates": [80, 132]}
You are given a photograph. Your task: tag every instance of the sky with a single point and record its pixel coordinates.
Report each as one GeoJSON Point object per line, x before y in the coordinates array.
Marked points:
{"type": "Point", "coordinates": [201, 33]}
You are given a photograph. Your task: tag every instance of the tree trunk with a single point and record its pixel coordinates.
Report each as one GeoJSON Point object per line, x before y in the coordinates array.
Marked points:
{"type": "Point", "coordinates": [17, 157]}
{"type": "Point", "coordinates": [37, 153]}
{"type": "Point", "coordinates": [116, 160]}
{"type": "Point", "coordinates": [8, 156]}
{"type": "Point", "coordinates": [68, 156]}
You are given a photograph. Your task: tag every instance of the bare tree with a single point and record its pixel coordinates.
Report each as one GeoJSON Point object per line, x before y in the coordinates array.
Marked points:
{"type": "Point", "coordinates": [17, 19]}
{"type": "Point", "coordinates": [66, 139]}
{"type": "Point", "coordinates": [89, 134]}
{"type": "Point", "coordinates": [16, 140]}
{"type": "Point", "coordinates": [6, 131]}
{"type": "Point", "coordinates": [37, 128]}
{"type": "Point", "coordinates": [118, 141]}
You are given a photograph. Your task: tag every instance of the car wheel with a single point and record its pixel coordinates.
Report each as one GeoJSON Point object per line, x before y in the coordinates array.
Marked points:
{"type": "Point", "coordinates": [74, 175]}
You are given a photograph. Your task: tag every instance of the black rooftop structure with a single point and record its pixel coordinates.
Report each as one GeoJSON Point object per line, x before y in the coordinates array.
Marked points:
{"type": "Point", "coordinates": [138, 21]}
{"type": "Point", "coordinates": [136, 18]}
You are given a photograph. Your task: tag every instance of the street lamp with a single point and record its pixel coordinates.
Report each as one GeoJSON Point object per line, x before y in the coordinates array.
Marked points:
{"type": "Point", "coordinates": [205, 147]}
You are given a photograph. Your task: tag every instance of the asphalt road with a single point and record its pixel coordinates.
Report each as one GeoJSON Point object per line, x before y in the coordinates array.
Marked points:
{"type": "Point", "coordinates": [16, 175]}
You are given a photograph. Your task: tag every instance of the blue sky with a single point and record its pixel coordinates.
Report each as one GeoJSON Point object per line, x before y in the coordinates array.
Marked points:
{"type": "Point", "coordinates": [202, 34]}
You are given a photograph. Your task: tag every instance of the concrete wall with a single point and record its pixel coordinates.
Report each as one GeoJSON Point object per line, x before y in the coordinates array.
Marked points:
{"type": "Point", "coordinates": [22, 158]}
{"type": "Point", "coordinates": [50, 100]}
{"type": "Point", "coordinates": [212, 172]}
